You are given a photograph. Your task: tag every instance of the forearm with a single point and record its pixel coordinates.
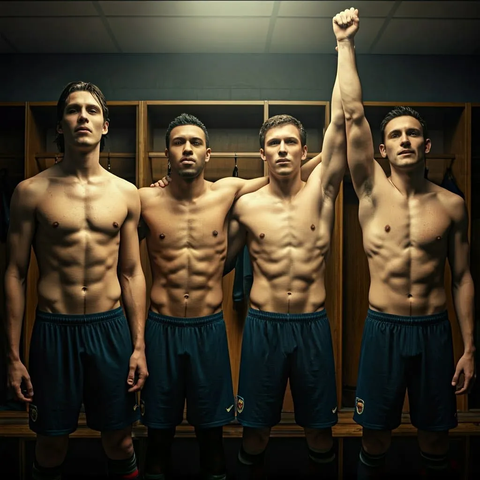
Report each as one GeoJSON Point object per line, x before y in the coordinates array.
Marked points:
{"type": "Point", "coordinates": [134, 301]}
{"type": "Point", "coordinates": [15, 308]}
{"type": "Point", "coordinates": [252, 185]}
{"type": "Point", "coordinates": [349, 81]}
{"type": "Point", "coordinates": [463, 301]}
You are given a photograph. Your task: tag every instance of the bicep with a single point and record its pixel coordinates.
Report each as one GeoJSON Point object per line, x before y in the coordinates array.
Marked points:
{"type": "Point", "coordinates": [129, 252]}
{"type": "Point", "coordinates": [21, 232]}
{"type": "Point", "coordinates": [458, 248]}
{"type": "Point", "coordinates": [236, 187]}
{"type": "Point", "coordinates": [334, 159]}
{"type": "Point", "coordinates": [360, 154]}
{"type": "Point", "coordinates": [249, 186]}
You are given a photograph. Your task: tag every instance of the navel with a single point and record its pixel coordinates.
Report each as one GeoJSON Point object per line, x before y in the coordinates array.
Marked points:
{"type": "Point", "coordinates": [161, 236]}
{"type": "Point", "coordinates": [262, 236]}
{"type": "Point", "coordinates": [387, 228]}
{"type": "Point", "coordinates": [312, 227]}
{"type": "Point", "coordinates": [439, 237]}
{"type": "Point", "coordinates": [214, 233]}
{"type": "Point", "coordinates": [55, 224]}
{"type": "Point", "coordinates": [115, 225]}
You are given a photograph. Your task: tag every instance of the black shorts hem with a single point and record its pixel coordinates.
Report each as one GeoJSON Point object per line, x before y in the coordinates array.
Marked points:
{"type": "Point", "coordinates": [160, 426]}
{"type": "Point", "coordinates": [111, 428]}
{"type": "Point", "coordinates": [318, 426]}
{"type": "Point", "coordinates": [372, 426]}
{"type": "Point", "coordinates": [256, 425]}
{"type": "Point", "coordinates": [436, 428]}
{"type": "Point", "coordinates": [53, 433]}
{"type": "Point", "coordinates": [218, 423]}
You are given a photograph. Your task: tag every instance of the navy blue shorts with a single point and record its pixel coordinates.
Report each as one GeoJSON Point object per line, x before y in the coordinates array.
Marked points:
{"type": "Point", "coordinates": [277, 347]}
{"type": "Point", "coordinates": [188, 360]}
{"type": "Point", "coordinates": [81, 358]}
{"type": "Point", "coordinates": [399, 353]}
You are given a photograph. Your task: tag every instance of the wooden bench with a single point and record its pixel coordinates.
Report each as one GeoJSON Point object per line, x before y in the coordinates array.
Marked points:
{"type": "Point", "coordinates": [15, 425]}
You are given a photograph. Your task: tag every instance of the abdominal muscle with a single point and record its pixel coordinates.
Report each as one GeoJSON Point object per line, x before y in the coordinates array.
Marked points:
{"type": "Point", "coordinates": [187, 282]}
{"type": "Point", "coordinates": [289, 282]}
{"type": "Point", "coordinates": [407, 290]}
{"type": "Point", "coordinates": [77, 281]}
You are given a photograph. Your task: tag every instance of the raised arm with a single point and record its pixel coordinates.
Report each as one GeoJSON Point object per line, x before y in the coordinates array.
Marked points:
{"type": "Point", "coordinates": [20, 237]}
{"type": "Point", "coordinates": [132, 281]}
{"type": "Point", "coordinates": [359, 137]}
{"type": "Point", "coordinates": [334, 154]}
{"type": "Point", "coordinates": [463, 291]}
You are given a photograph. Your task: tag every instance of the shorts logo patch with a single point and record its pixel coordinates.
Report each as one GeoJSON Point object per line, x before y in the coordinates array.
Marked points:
{"type": "Point", "coordinates": [334, 410]}
{"type": "Point", "coordinates": [229, 408]}
{"type": "Point", "coordinates": [33, 412]}
{"type": "Point", "coordinates": [240, 404]}
{"type": "Point", "coordinates": [359, 405]}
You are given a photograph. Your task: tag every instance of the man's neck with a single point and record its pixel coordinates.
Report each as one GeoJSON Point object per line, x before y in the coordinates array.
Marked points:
{"type": "Point", "coordinates": [83, 165]}
{"type": "Point", "coordinates": [285, 187]}
{"type": "Point", "coordinates": [409, 183]}
{"type": "Point", "coordinates": [187, 189]}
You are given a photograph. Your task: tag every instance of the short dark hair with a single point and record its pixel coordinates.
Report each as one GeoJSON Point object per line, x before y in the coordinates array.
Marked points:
{"type": "Point", "coordinates": [403, 112]}
{"type": "Point", "coordinates": [77, 87]}
{"type": "Point", "coordinates": [186, 119]}
{"type": "Point", "coordinates": [279, 120]}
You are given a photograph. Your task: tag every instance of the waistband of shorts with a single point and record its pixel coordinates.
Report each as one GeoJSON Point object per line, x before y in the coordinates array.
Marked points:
{"type": "Point", "coordinates": [406, 320]}
{"type": "Point", "coordinates": [186, 321]}
{"type": "Point", "coordinates": [287, 317]}
{"type": "Point", "coordinates": [79, 319]}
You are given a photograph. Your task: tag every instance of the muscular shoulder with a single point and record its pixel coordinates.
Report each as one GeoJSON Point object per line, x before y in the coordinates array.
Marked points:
{"type": "Point", "coordinates": [453, 203]}
{"type": "Point", "coordinates": [127, 189]}
{"type": "Point", "coordinates": [251, 200]}
{"type": "Point", "coordinates": [125, 192]}
{"type": "Point", "coordinates": [150, 194]}
{"type": "Point", "coordinates": [29, 191]}
{"type": "Point", "coordinates": [124, 185]}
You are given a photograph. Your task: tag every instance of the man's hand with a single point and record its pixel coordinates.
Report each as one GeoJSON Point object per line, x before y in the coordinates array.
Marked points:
{"type": "Point", "coordinates": [162, 183]}
{"type": "Point", "coordinates": [464, 377]}
{"type": "Point", "coordinates": [138, 370]}
{"type": "Point", "coordinates": [19, 381]}
{"type": "Point", "coordinates": [346, 24]}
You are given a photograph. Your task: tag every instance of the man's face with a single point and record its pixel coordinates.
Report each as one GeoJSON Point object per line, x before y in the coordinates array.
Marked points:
{"type": "Point", "coordinates": [188, 152]}
{"type": "Point", "coordinates": [83, 123]}
{"type": "Point", "coordinates": [283, 150]}
{"type": "Point", "coordinates": [404, 144]}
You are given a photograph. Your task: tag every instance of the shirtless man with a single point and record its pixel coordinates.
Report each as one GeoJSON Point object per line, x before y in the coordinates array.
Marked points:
{"type": "Point", "coordinates": [287, 226]}
{"type": "Point", "coordinates": [82, 223]}
{"type": "Point", "coordinates": [407, 340]}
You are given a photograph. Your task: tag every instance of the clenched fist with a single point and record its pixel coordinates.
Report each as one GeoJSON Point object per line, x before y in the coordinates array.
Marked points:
{"type": "Point", "coordinates": [346, 24]}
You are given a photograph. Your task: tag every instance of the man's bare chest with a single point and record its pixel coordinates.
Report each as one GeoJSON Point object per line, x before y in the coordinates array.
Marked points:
{"type": "Point", "coordinates": [68, 212]}
{"type": "Point", "coordinates": [197, 226]}
{"type": "Point", "coordinates": [423, 225]}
